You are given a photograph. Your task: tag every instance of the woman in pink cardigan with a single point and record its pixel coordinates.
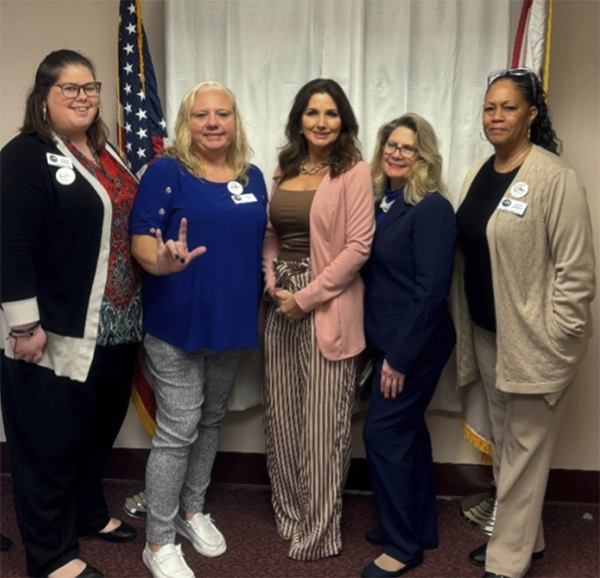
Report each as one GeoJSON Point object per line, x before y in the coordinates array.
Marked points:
{"type": "Point", "coordinates": [319, 235]}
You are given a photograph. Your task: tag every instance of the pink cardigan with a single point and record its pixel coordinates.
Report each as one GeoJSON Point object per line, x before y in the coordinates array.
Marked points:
{"type": "Point", "coordinates": [341, 232]}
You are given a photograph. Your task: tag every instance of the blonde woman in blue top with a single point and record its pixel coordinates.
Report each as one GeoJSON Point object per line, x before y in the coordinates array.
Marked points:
{"type": "Point", "coordinates": [198, 225]}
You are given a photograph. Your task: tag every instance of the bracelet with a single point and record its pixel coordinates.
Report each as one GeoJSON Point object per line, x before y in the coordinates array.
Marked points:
{"type": "Point", "coordinates": [28, 332]}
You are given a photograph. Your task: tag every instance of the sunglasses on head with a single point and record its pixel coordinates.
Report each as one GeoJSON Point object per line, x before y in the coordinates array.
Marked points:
{"type": "Point", "coordinates": [521, 71]}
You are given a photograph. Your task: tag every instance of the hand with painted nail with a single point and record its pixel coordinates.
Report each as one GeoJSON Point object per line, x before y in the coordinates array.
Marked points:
{"type": "Point", "coordinates": [174, 256]}
{"type": "Point", "coordinates": [272, 295]}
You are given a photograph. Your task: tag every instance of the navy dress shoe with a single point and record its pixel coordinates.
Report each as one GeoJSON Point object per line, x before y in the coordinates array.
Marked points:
{"type": "Point", "coordinates": [477, 556]}
{"type": "Point", "coordinates": [377, 537]}
{"type": "Point", "coordinates": [373, 571]}
{"type": "Point", "coordinates": [122, 533]}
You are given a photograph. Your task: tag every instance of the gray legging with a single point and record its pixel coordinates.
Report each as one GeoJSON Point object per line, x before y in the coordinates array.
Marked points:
{"type": "Point", "coordinates": [191, 392]}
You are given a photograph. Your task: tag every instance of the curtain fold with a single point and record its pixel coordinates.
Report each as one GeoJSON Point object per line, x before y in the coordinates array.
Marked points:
{"type": "Point", "coordinates": [390, 56]}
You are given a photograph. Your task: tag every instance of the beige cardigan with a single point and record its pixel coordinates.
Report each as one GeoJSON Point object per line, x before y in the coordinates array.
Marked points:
{"type": "Point", "coordinates": [544, 280]}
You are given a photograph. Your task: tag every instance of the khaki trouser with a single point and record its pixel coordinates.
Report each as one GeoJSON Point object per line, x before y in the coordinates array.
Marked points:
{"type": "Point", "coordinates": [525, 428]}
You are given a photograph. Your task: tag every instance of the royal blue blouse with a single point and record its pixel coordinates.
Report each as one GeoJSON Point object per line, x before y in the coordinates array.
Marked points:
{"type": "Point", "coordinates": [213, 303]}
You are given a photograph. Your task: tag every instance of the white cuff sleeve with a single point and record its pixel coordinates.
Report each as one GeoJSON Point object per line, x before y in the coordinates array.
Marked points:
{"type": "Point", "coordinates": [21, 312]}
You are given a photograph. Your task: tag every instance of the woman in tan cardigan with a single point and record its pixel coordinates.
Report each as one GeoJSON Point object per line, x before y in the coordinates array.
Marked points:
{"type": "Point", "coordinates": [525, 274]}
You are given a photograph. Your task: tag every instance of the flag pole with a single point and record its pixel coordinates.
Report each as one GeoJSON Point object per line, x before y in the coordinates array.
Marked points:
{"type": "Point", "coordinates": [547, 47]}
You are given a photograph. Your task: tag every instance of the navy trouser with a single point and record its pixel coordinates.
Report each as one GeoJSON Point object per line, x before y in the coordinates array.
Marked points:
{"type": "Point", "coordinates": [400, 461]}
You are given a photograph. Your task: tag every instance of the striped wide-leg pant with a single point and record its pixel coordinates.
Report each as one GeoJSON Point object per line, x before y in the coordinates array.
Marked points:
{"type": "Point", "coordinates": [308, 406]}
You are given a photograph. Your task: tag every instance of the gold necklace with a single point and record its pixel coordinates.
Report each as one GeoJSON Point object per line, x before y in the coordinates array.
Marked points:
{"type": "Point", "coordinates": [304, 170]}
{"type": "Point", "coordinates": [514, 163]}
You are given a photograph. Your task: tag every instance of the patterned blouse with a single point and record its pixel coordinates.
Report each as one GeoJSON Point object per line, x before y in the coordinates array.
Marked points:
{"type": "Point", "coordinates": [121, 308]}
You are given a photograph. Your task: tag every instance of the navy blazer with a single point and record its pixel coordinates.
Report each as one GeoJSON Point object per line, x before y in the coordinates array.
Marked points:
{"type": "Point", "coordinates": [407, 281]}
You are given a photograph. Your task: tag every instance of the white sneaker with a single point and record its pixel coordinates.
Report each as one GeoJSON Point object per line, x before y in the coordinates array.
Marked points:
{"type": "Point", "coordinates": [203, 534]}
{"type": "Point", "coordinates": [168, 562]}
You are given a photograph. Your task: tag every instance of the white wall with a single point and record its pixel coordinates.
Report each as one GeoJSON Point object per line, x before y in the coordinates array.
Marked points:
{"type": "Point", "coordinates": [29, 29]}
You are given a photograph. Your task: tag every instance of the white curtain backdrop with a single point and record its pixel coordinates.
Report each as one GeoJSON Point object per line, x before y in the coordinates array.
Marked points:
{"type": "Point", "coordinates": [431, 57]}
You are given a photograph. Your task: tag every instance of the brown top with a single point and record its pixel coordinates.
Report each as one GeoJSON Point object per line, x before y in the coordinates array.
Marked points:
{"type": "Point", "coordinates": [289, 214]}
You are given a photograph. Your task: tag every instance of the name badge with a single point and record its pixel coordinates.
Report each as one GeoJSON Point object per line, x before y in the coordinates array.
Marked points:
{"type": "Point", "coordinates": [245, 198]}
{"type": "Point", "coordinates": [58, 161]}
{"type": "Point", "coordinates": [512, 206]}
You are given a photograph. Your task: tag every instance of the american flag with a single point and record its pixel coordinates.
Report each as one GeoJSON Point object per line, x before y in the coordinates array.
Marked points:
{"type": "Point", "coordinates": [142, 130]}
{"type": "Point", "coordinates": [142, 134]}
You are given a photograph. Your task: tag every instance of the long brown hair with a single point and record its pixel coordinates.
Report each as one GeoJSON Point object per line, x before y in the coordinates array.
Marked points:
{"type": "Point", "coordinates": [47, 74]}
{"type": "Point", "coordinates": [346, 148]}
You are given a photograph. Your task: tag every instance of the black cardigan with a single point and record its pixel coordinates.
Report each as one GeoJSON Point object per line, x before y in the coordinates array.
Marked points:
{"type": "Point", "coordinates": [55, 239]}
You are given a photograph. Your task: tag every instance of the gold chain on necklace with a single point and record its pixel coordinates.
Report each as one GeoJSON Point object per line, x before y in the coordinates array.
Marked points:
{"type": "Point", "coordinates": [304, 170]}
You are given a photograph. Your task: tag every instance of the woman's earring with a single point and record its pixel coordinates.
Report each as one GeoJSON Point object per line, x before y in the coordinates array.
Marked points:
{"type": "Point", "coordinates": [99, 114]}
{"type": "Point", "coordinates": [301, 131]}
{"type": "Point", "coordinates": [45, 112]}
{"type": "Point", "coordinates": [482, 136]}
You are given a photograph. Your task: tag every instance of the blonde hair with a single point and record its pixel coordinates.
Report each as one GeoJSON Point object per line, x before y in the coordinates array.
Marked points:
{"type": "Point", "coordinates": [182, 147]}
{"type": "Point", "coordinates": [426, 175]}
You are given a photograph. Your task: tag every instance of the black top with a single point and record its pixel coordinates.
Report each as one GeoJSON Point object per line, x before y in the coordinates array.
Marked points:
{"type": "Point", "coordinates": [472, 218]}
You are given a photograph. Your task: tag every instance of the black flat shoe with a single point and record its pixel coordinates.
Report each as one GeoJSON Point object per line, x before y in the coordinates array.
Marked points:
{"type": "Point", "coordinates": [376, 536]}
{"type": "Point", "coordinates": [122, 533]}
{"type": "Point", "coordinates": [477, 556]}
{"type": "Point", "coordinates": [492, 575]}
{"type": "Point", "coordinates": [373, 571]}
{"type": "Point", "coordinates": [90, 572]}
{"type": "Point", "coordinates": [5, 542]}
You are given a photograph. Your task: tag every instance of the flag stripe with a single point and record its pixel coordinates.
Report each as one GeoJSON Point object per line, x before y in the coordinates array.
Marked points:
{"type": "Point", "coordinates": [520, 36]}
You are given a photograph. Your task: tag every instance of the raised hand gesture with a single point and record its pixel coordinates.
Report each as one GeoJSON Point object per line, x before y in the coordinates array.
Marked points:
{"type": "Point", "coordinates": [174, 256]}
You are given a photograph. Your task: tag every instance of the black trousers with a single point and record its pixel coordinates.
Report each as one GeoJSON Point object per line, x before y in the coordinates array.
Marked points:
{"type": "Point", "coordinates": [400, 460]}
{"type": "Point", "coordinates": [60, 433]}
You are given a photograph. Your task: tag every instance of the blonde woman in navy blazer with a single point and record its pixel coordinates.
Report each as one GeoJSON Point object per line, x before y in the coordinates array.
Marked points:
{"type": "Point", "coordinates": [411, 335]}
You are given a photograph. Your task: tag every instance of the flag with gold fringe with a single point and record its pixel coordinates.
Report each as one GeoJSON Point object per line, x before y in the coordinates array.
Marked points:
{"type": "Point", "coordinates": [533, 39]}
{"type": "Point", "coordinates": [141, 137]}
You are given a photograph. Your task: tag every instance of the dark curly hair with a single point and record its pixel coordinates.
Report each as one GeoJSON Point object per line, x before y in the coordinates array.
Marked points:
{"type": "Point", "coordinates": [47, 74]}
{"type": "Point", "coordinates": [541, 131]}
{"type": "Point", "coordinates": [346, 148]}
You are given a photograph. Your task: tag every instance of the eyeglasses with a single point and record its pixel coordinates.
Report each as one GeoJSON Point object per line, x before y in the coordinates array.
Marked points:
{"type": "Point", "coordinates": [405, 151]}
{"type": "Point", "coordinates": [71, 90]}
{"type": "Point", "coordinates": [513, 72]}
